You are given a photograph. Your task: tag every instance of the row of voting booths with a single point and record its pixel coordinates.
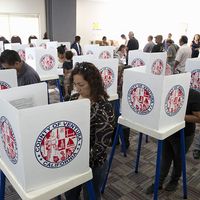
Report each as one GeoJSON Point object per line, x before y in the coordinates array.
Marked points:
{"type": "Point", "coordinates": [55, 146]}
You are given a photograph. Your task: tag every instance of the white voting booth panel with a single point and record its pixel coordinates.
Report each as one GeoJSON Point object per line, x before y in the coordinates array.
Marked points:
{"type": "Point", "coordinates": [40, 43]}
{"type": "Point", "coordinates": [109, 73]}
{"type": "Point", "coordinates": [1, 47]}
{"type": "Point", "coordinates": [8, 79]}
{"type": "Point", "coordinates": [82, 58]}
{"type": "Point", "coordinates": [52, 44]}
{"type": "Point", "coordinates": [193, 66]}
{"type": "Point", "coordinates": [44, 61]}
{"type": "Point", "coordinates": [103, 52]}
{"type": "Point", "coordinates": [108, 69]}
{"type": "Point", "coordinates": [46, 144]}
{"type": "Point", "coordinates": [155, 102]}
{"type": "Point", "coordinates": [89, 49]}
{"type": "Point", "coordinates": [20, 48]}
{"type": "Point", "coordinates": [155, 62]}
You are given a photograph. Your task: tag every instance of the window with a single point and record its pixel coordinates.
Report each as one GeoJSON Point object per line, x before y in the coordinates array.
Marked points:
{"type": "Point", "coordinates": [22, 25]}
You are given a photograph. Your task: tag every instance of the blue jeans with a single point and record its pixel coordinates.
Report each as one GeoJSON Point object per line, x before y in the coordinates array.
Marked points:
{"type": "Point", "coordinates": [98, 178]}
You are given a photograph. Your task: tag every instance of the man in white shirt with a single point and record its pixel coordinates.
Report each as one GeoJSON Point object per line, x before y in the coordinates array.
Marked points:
{"type": "Point", "coordinates": [182, 55]}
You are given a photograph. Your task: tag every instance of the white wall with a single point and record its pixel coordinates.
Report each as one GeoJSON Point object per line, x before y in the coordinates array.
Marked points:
{"type": "Point", "coordinates": [26, 7]}
{"type": "Point", "coordinates": [142, 17]}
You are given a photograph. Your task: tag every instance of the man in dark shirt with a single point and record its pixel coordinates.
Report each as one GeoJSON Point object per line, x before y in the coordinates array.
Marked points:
{"type": "Point", "coordinates": [76, 45]}
{"type": "Point", "coordinates": [132, 44]}
{"type": "Point", "coordinates": [172, 146]}
{"type": "Point", "coordinates": [159, 44]}
{"type": "Point", "coordinates": [26, 75]}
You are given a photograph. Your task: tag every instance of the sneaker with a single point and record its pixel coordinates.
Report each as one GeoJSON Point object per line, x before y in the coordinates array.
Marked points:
{"type": "Point", "coordinates": [171, 185]}
{"type": "Point", "coordinates": [150, 189]}
{"type": "Point", "coordinates": [196, 154]}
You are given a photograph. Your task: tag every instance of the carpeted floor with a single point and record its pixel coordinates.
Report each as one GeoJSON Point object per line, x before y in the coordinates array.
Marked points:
{"type": "Point", "coordinates": [124, 184]}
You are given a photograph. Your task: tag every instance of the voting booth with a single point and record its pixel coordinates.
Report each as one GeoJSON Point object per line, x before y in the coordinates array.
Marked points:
{"type": "Point", "coordinates": [1, 47]}
{"type": "Point", "coordinates": [19, 48]}
{"type": "Point", "coordinates": [155, 62]}
{"type": "Point", "coordinates": [99, 52]}
{"type": "Point", "coordinates": [155, 102]}
{"type": "Point", "coordinates": [83, 58]}
{"type": "Point", "coordinates": [8, 79]}
{"type": "Point", "coordinates": [52, 44]}
{"type": "Point", "coordinates": [40, 43]}
{"type": "Point", "coordinates": [108, 69]}
{"type": "Point", "coordinates": [39, 146]}
{"type": "Point", "coordinates": [44, 61]}
{"type": "Point", "coordinates": [193, 66]}
{"type": "Point", "coordinates": [89, 49]}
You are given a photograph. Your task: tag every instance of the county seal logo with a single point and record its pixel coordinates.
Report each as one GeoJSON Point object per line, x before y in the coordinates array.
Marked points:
{"type": "Point", "coordinates": [157, 67]}
{"type": "Point", "coordinates": [195, 80]}
{"type": "Point", "coordinates": [58, 144]}
{"type": "Point", "coordinates": [107, 75]}
{"type": "Point", "coordinates": [4, 85]}
{"type": "Point", "coordinates": [140, 99]}
{"type": "Point", "coordinates": [47, 62]}
{"type": "Point", "coordinates": [174, 100]}
{"type": "Point", "coordinates": [105, 55]}
{"type": "Point", "coordinates": [137, 62]}
{"type": "Point", "coordinates": [8, 140]}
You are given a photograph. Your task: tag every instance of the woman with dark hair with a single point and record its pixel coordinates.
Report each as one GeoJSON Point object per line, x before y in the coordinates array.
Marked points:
{"type": "Point", "coordinates": [195, 45]}
{"type": "Point", "coordinates": [121, 54]}
{"type": "Point", "coordinates": [88, 83]}
{"type": "Point", "coordinates": [61, 53]}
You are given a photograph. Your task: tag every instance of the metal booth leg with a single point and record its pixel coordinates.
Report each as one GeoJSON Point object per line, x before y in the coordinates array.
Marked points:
{"type": "Point", "coordinates": [159, 153]}
{"type": "Point", "coordinates": [183, 163]}
{"type": "Point", "coordinates": [138, 152]}
{"type": "Point", "coordinates": [90, 190]}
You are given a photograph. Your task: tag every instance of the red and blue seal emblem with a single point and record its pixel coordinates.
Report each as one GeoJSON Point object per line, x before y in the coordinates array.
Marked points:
{"type": "Point", "coordinates": [58, 144]}
{"type": "Point", "coordinates": [107, 75]}
{"type": "Point", "coordinates": [8, 139]}
{"type": "Point", "coordinates": [4, 85]}
{"type": "Point", "coordinates": [140, 99]}
{"type": "Point", "coordinates": [174, 100]}
{"type": "Point", "coordinates": [105, 55]}
{"type": "Point", "coordinates": [157, 67]}
{"type": "Point", "coordinates": [137, 62]}
{"type": "Point", "coordinates": [195, 80]}
{"type": "Point", "coordinates": [47, 62]}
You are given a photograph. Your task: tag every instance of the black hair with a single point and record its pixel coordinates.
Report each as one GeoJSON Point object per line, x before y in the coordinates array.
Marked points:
{"type": "Point", "coordinates": [77, 38]}
{"type": "Point", "coordinates": [69, 55]}
{"type": "Point", "coordinates": [16, 39]}
{"type": "Point", "coordinates": [10, 57]}
{"type": "Point", "coordinates": [61, 49]}
{"type": "Point", "coordinates": [31, 37]}
{"type": "Point", "coordinates": [184, 39]}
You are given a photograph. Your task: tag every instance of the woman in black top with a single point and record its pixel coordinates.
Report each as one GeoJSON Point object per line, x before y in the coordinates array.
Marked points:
{"type": "Point", "coordinates": [195, 45]}
{"type": "Point", "coordinates": [88, 83]}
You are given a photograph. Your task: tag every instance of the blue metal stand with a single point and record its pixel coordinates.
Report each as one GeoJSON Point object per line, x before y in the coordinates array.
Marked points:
{"type": "Point", "coordinates": [119, 127]}
{"type": "Point", "coordinates": [48, 92]}
{"type": "Point", "coordinates": [147, 138]}
{"type": "Point", "coordinates": [182, 138]}
{"type": "Point", "coordinates": [60, 90]}
{"type": "Point", "coordinates": [90, 189]}
{"type": "Point", "coordinates": [2, 185]}
{"type": "Point", "coordinates": [138, 152]}
{"type": "Point", "coordinates": [156, 183]}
